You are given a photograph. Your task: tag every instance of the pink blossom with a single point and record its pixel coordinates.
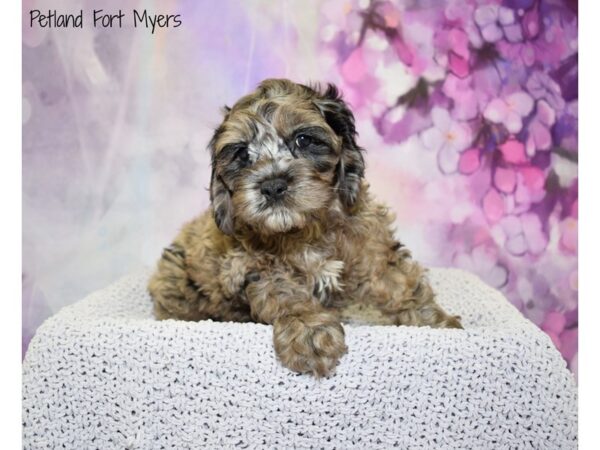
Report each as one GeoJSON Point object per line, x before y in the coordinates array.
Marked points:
{"type": "Point", "coordinates": [501, 92]}
{"type": "Point", "coordinates": [557, 41]}
{"type": "Point", "coordinates": [483, 260]}
{"type": "Point", "coordinates": [531, 288]}
{"type": "Point", "coordinates": [554, 321]}
{"type": "Point", "coordinates": [458, 11]}
{"type": "Point", "coordinates": [354, 69]}
{"type": "Point", "coordinates": [513, 151]}
{"type": "Point", "coordinates": [493, 205]}
{"type": "Point", "coordinates": [486, 84]}
{"type": "Point", "coordinates": [569, 341]}
{"type": "Point", "coordinates": [539, 128]}
{"type": "Point", "coordinates": [523, 234]}
{"type": "Point", "coordinates": [461, 13]}
{"type": "Point", "coordinates": [459, 42]}
{"type": "Point", "coordinates": [469, 161]}
{"type": "Point", "coordinates": [505, 180]}
{"type": "Point", "coordinates": [496, 22]}
{"type": "Point", "coordinates": [534, 233]}
{"type": "Point", "coordinates": [553, 325]}
{"type": "Point", "coordinates": [464, 97]}
{"type": "Point", "coordinates": [541, 86]}
{"type": "Point", "coordinates": [568, 235]}
{"type": "Point", "coordinates": [458, 65]}
{"type": "Point", "coordinates": [531, 22]}
{"type": "Point", "coordinates": [530, 186]}
{"type": "Point", "coordinates": [524, 52]}
{"type": "Point", "coordinates": [403, 50]}
{"type": "Point", "coordinates": [453, 51]}
{"type": "Point", "coordinates": [448, 138]}
{"type": "Point", "coordinates": [510, 110]}
{"type": "Point", "coordinates": [557, 44]}
{"type": "Point", "coordinates": [390, 14]}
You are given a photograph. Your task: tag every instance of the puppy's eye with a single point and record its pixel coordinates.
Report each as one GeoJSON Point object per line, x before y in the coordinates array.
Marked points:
{"type": "Point", "coordinates": [242, 155]}
{"type": "Point", "coordinates": [303, 141]}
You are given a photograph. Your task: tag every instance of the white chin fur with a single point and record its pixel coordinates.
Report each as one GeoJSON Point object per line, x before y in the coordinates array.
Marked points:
{"type": "Point", "coordinates": [281, 220]}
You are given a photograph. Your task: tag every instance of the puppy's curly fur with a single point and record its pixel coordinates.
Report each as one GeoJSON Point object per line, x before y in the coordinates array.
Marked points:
{"type": "Point", "coordinates": [293, 238]}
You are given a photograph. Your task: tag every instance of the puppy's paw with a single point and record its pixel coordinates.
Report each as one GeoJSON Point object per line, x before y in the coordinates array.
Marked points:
{"type": "Point", "coordinates": [453, 322]}
{"type": "Point", "coordinates": [310, 343]}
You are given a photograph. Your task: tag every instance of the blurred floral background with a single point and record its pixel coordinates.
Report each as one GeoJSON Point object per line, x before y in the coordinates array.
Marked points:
{"type": "Point", "coordinates": [468, 111]}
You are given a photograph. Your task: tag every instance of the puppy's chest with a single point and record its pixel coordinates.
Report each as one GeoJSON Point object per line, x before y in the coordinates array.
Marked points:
{"type": "Point", "coordinates": [324, 272]}
{"type": "Point", "coordinates": [317, 271]}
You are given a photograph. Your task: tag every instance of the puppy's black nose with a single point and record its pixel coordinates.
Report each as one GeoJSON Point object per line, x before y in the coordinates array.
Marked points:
{"type": "Point", "coordinates": [273, 189]}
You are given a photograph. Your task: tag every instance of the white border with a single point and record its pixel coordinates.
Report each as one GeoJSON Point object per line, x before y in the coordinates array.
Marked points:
{"type": "Point", "coordinates": [10, 177]}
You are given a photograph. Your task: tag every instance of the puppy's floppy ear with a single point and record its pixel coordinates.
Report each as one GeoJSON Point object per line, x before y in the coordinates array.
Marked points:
{"type": "Point", "coordinates": [220, 195]}
{"type": "Point", "coordinates": [351, 167]}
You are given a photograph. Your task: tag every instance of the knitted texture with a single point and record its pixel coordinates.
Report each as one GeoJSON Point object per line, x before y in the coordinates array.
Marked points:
{"type": "Point", "coordinates": [102, 373]}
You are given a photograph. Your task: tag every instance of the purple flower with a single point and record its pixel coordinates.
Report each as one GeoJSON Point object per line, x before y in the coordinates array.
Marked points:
{"type": "Point", "coordinates": [483, 260]}
{"type": "Point", "coordinates": [524, 52]}
{"type": "Point", "coordinates": [568, 235]}
{"type": "Point", "coordinates": [510, 110]}
{"type": "Point", "coordinates": [541, 86]}
{"type": "Point", "coordinates": [539, 137]}
{"type": "Point", "coordinates": [500, 112]}
{"type": "Point", "coordinates": [493, 205]}
{"type": "Point", "coordinates": [453, 51]}
{"type": "Point", "coordinates": [564, 131]}
{"type": "Point", "coordinates": [464, 96]}
{"type": "Point", "coordinates": [522, 234]}
{"type": "Point", "coordinates": [496, 22]}
{"type": "Point", "coordinates": [448, 138]}
{"type": "Point", "coordinates": [460, 13]}
{"type": "Point", "coordinates": [529, 187]}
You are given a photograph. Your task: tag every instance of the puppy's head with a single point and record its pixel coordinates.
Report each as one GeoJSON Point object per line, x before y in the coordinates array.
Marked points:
{"type": "Point", "coordinates": [283, 154]}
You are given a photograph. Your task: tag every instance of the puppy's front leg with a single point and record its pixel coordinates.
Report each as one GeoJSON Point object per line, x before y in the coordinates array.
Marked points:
{"type": "Point", "coordinates": [308, 340]}
{"type": "Point", "coordinates": [173, 293]}
{"type": "Point", "coordinates": [307, 337]}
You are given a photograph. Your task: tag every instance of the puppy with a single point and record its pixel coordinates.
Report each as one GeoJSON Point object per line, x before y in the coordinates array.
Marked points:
{"type": "Point", "coordinates": [293, 237]}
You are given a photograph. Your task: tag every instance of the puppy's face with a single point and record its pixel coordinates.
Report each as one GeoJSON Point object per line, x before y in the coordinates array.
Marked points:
{"type": "Point", "coordinates": [281, 155]}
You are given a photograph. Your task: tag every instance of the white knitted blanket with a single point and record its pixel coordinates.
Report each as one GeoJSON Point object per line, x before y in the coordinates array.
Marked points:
{"type": "Point", "coordinates": [104, 374]}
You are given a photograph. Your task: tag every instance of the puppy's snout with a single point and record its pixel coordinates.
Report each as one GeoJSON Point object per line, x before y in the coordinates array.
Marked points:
{"type": "Point", "coordinates": [274, 188]}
